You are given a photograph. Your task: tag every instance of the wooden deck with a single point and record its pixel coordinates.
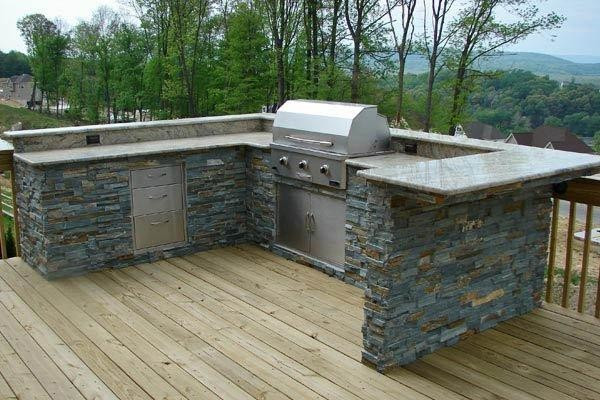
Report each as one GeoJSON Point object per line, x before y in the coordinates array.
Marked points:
{"type": "Point", "coordinates": [241, 323]}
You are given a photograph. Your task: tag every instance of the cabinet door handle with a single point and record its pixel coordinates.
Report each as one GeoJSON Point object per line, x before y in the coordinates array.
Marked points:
{"type": "Point", "coordinates": [162, 174]}
{"type": "Point", "coordinates": [312, 222]}
{"type": "Point", "coordinates": [157, 197]}
{"type": "Point", "coordinates": [159, 222]}
{"type": "Point", "coordinates": [307, 221]}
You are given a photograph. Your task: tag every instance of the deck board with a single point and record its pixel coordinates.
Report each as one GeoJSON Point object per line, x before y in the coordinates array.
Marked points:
{"type": "Point", "coordinates": [244, 323]}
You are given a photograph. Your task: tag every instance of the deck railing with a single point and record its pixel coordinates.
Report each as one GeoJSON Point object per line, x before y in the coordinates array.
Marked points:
{"type": "Point", "coordinates": [8, 192]}
{"type": "Point", "coordinates": [585, 191]}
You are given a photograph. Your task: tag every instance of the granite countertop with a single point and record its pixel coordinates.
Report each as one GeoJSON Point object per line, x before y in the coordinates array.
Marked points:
{"type": "Point", "coordinates": [472, 173]}
{"type": "Point", "coordinates": [5, 147]}
{"type": "Point", "coordinates": [385, 160]}
{"type": "Point", "coordinates": [106, 152]}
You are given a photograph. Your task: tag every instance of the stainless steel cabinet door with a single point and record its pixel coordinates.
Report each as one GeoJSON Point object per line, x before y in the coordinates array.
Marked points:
{"type": "Point", "coordinates": [328, 221]}
{"type": "Point", "coordinates": [293, 208]}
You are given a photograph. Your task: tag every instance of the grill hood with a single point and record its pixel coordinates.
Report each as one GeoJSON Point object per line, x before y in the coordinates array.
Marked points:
{"type": "Point", "coordinates": [343, 128]}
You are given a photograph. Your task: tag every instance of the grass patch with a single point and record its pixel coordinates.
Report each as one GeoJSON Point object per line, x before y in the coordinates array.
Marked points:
{"type": "Point", "coordinates": [29, 119]}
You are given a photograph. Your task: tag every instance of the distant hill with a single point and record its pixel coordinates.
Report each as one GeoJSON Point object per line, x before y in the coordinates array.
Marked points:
{"type": "Point", "coordinates": [540, 64]}
{"type": "Point", "coordinates": [579, 58]}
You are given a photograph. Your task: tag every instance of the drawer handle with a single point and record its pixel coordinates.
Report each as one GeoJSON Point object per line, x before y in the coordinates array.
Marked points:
{"type": "Point", "coordinates": [152, 176]}
{"type": "Point", "coordinates": [157, 197]}
{"type": "Point", "coordinates": [159, 222]}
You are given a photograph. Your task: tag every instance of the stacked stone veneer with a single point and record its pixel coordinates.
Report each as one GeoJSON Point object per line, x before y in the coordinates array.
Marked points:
{"type": "Point", "coordinates": [77, 217]}
{"type": "Point", "coordinates": [260, 197]}
{"type": "Point", "coordinates": [436, 273]}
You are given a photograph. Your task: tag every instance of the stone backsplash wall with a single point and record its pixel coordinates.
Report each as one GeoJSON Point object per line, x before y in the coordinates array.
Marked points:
{"type": "Point", "coordinates": [438, 273]}
{"type": "Point", "coordinates": [82, 212]}
{"type": "Point", "coordinates": [260, 197]}
{"type": "Point", "coordinates": [66, 138]}
{"type": "Point", "coordinates": [434, 150]}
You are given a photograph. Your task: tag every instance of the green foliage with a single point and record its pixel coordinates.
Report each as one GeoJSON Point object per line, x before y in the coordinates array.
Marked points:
{"type": "Point", "coordinates": [47, 46]}
{"type": "Point", "coordinates": [596, 142]}
{"type": "Point", "coordinates": [199, 57]}
{"type": "Point", "coordinates": [13, 63]}
{"type": "Point", "coordinates": [243, 66]}
{"type": "Point", "coordinates": [520, 100]}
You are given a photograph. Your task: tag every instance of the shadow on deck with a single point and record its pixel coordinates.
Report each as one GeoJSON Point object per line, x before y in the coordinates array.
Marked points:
{"type": "Point", "coordinates": [242, 323]}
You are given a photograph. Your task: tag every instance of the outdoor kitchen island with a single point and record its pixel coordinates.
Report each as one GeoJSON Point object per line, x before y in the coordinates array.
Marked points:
{"type": "Point", "coordinates": [448, 236]}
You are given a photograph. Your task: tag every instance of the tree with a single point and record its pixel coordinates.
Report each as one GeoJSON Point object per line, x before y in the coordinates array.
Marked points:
{"type": "Point", "coordinates": [479, 34]}
{"type": "Point", "coordinates": [243, 69]}
{"type": "Point", "coordinates": [129, 62]}
{"type": "Point", "coordinates": [283, 18]}
{"type": "Point", "coordinates": [13, 63]}
{"type": "Point", "coordinates": [39, 33]}
{"type": "Point", "coordinates": [364, 20]}
{"type": "Point", "coordinates": [402, 43]}
{"type": "Point", "coordinates": [331, 42]}
{"type": "Point", "coordinates": [434, 42]}
{"type": "Point", "coordinates": [188, 20]}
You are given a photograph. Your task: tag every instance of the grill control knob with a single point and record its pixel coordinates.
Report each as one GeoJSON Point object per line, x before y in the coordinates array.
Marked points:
{"type": "Point", "coordinates": [324, 169]}
{"type": "Point", "coordinates": [303, 164]}
{"type": "Point", "coordinates": [283, 161]}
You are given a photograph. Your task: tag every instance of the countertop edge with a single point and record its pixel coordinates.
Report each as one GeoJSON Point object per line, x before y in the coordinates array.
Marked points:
{"type": "Point", "coordinates": [24, 156]}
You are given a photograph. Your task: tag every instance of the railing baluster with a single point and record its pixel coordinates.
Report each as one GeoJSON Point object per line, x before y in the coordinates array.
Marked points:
{"type": "Point", "coordinates": [17, 229]}
{"type": "Point", "coordinates": [569, 255]}
{"type": "Point", "coordinates": [586, 255]}
{"type": "Point", "coordinates": [597, 313]}
{"type": "Point", "coordinates": [2, 233]}
{"type": "Point", "coordinates": [552, 258]}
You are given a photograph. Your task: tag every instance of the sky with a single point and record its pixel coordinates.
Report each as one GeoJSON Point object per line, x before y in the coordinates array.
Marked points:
{"type": "Point", "coordinates": [578, 36]}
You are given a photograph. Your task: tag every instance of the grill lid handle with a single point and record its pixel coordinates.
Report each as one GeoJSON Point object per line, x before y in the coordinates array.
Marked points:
{"type": "Point", "coordinates": [311, 141]}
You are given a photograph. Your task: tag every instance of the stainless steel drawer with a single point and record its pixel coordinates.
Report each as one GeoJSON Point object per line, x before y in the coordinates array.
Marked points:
{"type": "Point", "coordinates": [157, 199]}
{"type": "Point", "coordinates": [159, 176]}
{"type": "Point", "coordinates": [159, 229]}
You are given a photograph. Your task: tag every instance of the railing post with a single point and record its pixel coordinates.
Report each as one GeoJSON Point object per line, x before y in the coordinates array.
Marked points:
{"type": "Point", "coordinates": [552, 257]}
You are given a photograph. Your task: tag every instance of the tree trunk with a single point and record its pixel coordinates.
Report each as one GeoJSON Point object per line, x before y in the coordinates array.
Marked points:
{"type": "Point", "coordinates": [332, 48]}
{"type": "Point", "coordinates": [355, 70]}
{"type": "Point", "coordinates": [315, 58]}
{"type": "Point", "coordinates": [280, 72]}
{"type": "Point", "coordinates": [279, 32]}
{"type": "Point", "coordinates": [309, 47]}
{"type": "Point", "coordinates": [457, 103]}
{"type": "Point", "coordinates": [33, 97]}
{"type": "Point", "coordinates": [400, 99]}
{"type": "Point", "coordinates": [429, 100]}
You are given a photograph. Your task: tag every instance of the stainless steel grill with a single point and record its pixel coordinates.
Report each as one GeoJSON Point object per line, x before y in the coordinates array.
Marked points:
{"type": "Point", "coordinates": [312, 139]}
{"type": "Point", "coordinates": [311, 142]}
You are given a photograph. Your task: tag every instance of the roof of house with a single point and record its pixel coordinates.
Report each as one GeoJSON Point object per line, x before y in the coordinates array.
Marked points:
{"type": "Point", "coordinates": [480, 130]}
{"type": "Point", "coordinates": [21, 78]}
{"type": "Point", "coordinates": [554, 137]}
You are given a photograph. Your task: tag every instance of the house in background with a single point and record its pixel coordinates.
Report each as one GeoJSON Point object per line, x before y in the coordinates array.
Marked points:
{"type": "Point", "coordinates": [479, 130]}
{"type": "Point", "coordinates": [550, 137]}
{"type": "Point", "coordinates": [18, 88]}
